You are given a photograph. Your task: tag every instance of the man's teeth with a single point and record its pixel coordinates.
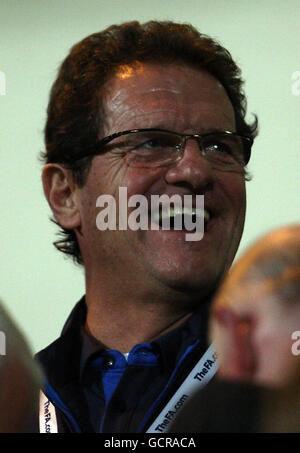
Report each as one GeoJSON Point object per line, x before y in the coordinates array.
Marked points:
{"type": "Point", "coordinates": [177, 211]}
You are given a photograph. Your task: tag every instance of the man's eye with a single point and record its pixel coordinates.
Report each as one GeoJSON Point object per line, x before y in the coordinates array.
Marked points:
{"type": "Point", "coordinates": [152, 144]}
{"type": "Point", "coordinates": [218, 148]}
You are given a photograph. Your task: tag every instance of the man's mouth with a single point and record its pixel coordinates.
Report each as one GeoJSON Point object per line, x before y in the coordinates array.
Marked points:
{"type": "Point", "coordinates": [177, 218]}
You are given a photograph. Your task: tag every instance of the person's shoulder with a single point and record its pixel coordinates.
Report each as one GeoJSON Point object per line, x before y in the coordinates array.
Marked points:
{"type": "Point", "coordinates": [48, 357]}
{"type": "Point", "coordinates": [72, 324]}
{"type": "Point", "coordinates": [60, 358]}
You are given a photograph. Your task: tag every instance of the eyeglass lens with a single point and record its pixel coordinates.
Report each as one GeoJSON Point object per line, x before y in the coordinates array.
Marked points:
{"type": "Point", "coordinates": [158, 148]}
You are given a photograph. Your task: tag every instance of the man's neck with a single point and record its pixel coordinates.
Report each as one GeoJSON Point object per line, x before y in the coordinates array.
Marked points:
{"type": "Point", "coordinates": [122, 325]}
{"type": "Point", "coordinates": [120, 315]}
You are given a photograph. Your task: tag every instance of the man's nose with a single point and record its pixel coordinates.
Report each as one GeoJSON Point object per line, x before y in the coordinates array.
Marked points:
{"type": "Point", "coordinates": [192, 168]}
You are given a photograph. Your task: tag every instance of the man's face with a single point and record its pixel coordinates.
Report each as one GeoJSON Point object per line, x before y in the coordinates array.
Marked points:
{"type": "Point", "coordinates": [184, 100]}
{"type": "Point", "coordinates": [251, 327]}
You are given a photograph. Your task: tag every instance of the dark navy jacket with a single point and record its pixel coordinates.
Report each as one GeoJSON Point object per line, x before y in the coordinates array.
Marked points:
{"type": "Point", "coordinates": [142, 392]}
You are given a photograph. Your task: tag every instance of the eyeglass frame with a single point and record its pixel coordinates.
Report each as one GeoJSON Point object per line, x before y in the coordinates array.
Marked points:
{"type": "Point", "coordinates": [184, 137]}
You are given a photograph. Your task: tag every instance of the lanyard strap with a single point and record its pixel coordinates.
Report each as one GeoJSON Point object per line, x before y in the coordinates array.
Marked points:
{"type": "Point", "coordinates": [48, 422]}
{"type": "Point", "coordinates": [200, 375]}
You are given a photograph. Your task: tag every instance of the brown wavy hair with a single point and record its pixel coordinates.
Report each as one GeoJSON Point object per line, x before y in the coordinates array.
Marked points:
{"type": "Point", "coordinates": [74, 114]}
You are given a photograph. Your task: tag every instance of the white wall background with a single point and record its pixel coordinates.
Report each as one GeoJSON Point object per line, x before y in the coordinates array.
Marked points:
{"type": "Point", "coordinates": [38, 286]}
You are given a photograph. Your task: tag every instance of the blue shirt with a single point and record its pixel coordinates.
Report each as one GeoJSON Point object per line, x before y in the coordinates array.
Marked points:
{"type": "Point", "coordinates": [121, 391]}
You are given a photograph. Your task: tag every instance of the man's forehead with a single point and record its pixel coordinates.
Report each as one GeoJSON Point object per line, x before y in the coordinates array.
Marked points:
{"type": "Point", "coordinates": [160, 77]}
{"type": "Point", "coordinates": [146, 89]}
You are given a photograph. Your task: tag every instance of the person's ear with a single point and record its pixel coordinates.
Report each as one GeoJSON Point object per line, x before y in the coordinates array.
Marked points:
{"type": "Point", "coordinates": [60, 191]}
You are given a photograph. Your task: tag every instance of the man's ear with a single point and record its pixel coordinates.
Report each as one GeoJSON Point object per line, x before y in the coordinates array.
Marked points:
{"type": "Point", "coordinates": [60, 191]}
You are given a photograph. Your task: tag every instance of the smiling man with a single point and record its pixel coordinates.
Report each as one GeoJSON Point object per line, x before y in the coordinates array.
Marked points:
{"type": "Point", "coordinates": [157, 109]}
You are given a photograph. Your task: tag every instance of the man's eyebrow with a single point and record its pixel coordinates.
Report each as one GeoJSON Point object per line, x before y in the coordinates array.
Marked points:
{"type": "Point", "coordinates": [200, 130]}
{"type": "Point", "coordinates": [213, 130]}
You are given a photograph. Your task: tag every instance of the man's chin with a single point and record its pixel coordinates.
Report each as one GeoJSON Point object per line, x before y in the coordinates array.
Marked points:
{"type": "Point", "coordinates": [190, 287]}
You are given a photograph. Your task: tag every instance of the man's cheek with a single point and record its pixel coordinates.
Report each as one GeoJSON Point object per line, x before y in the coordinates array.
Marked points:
{"type": "Point", "coordinates": [234, 338]}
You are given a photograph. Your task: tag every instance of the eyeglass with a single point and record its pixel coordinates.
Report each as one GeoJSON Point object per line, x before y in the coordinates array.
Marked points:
{"type": "Point", "coordinates": [159, 147]}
